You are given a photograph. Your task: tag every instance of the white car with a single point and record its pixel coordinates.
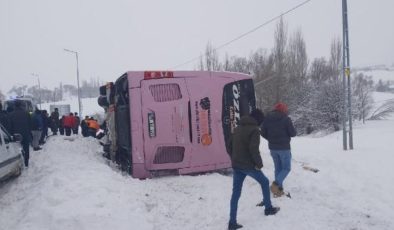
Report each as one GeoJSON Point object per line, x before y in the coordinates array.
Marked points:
{"type": "Point", "coordinates": [11, 160]}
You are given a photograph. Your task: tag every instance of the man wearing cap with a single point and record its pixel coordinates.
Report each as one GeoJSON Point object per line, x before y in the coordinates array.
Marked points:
{"type": "Point", "coordinates": [278, 129]}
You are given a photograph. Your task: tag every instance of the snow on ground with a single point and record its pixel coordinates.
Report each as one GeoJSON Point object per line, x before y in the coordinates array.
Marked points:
{"type": "Point", "coordinates": [69, 185]}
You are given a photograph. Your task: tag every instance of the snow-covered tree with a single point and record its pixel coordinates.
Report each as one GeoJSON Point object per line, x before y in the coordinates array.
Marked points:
{"type": "Point", "coordinates": [362, 96]}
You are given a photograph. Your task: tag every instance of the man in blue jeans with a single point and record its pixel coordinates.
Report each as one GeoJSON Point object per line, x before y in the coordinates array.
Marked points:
{"type": "Point", "coordinates": [278, 129]}
{"type": "Point", "coordinates": [243, 148]}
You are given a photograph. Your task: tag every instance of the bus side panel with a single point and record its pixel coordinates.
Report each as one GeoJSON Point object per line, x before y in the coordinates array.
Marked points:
{"type": "Point", "coordinates": [138, 158]}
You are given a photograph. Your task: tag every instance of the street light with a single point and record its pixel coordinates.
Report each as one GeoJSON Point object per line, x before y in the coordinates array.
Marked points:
{"type": "Point", "coordinates": [79, 94]}
{"type": "Point", "coordinates": [39, 86]}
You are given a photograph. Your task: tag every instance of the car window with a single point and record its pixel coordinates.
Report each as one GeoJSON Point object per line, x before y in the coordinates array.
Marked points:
{"type": "Point", "coordinates": [1, 137]}
{"type": "Point", "coordinates": [6, 136]}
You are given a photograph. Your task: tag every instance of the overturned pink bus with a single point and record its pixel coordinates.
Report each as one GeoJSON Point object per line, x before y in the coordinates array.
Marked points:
{"type": "Point", "coordinates": [163, 122]}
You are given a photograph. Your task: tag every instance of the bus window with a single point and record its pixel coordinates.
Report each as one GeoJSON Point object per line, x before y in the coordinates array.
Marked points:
{"type": "Point", "coordinates": [165, 92]}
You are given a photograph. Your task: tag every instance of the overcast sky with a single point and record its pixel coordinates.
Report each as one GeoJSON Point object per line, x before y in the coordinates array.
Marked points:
{"type": "Point", "coordinates": [115, 36]}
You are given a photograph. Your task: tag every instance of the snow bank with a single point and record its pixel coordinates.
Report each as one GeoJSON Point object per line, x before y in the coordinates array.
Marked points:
{"type": "Point", "coordinates": [69, 185]}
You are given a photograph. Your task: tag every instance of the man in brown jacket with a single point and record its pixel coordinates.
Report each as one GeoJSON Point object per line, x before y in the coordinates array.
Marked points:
{"type": "Point", "coordinates": [246, 161]}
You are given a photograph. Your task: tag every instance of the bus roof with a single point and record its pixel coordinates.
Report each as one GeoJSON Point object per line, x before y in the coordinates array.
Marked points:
{"type": "Point", "coordinates": [135, 77]}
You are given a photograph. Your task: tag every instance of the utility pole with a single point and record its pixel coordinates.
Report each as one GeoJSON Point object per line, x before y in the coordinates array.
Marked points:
{"type": "Point", "coordinates": [79, 91]}
{"type": "Point", "coordinates": [39, 86]}
{"type": "Point", "coordinates": [346, 77]}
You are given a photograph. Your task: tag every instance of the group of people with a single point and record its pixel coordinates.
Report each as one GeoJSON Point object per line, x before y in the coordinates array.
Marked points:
{"type": "Point", "coordinates": [66, 124]}
{"type": "Point", "coordinates": [277, 128]}
{"type": "Point", "coordinates": [34, 127]}
{"type": "Point", "coordinates": [70, 123]}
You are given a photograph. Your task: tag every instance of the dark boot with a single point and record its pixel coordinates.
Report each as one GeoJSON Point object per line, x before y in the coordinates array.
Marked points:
{"type": "Point", "coordinates": [271, 211]}
{"type": "Point", "coordinates": [234, 226]}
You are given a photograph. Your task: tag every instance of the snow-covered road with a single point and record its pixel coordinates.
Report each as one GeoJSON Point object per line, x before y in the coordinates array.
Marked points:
{"type": "Point", "coordinates": [69, 185]}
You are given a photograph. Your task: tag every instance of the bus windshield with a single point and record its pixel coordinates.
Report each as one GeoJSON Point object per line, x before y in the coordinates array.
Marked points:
{"type": "Point", "coordinates": [238, 100]}
{"type": "Point", "coordinates": [122, 124]}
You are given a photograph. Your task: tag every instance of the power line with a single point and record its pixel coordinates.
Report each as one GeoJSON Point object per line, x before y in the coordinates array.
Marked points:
{"type": "Point", "coordinates": [246, 33]}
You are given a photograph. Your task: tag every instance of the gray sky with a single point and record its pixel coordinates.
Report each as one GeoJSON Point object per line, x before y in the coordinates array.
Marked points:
{"type": "Point", "coordinates": [119, 35]}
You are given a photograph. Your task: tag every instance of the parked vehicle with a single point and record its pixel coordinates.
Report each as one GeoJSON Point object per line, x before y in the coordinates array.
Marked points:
{"type": "Point", "coordinates": [27, 104]}
{"type": "Point", "coordinates": [11, 161]}
{"type": "Point", "coordinates": [174, 122]}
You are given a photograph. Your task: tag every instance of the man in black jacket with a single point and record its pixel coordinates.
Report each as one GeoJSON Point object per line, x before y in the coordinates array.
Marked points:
{"type": "Point", "coordinates": [55, 123]}
{"type": "Point", "coordinates": [243, 148]}
{"type": "Point", "coordinates": [278, 129]}
{"type": "Point", "coordinates": [20, 122]}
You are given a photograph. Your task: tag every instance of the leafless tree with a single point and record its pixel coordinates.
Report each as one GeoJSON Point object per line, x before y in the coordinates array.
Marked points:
{"type": "Point", "coordinates": [297, 67]}
{"type": "Point", "coordinates": [335, 61]}
{"type": "Point", "coordinates": [210, 60]}
{"type": "Point", "coordinates": [362, 96]}
{"type": "Point", "coordinates": [237, 64]}
{"type": "Point", "coordinates": [18, 90]}
{"type": "Point", "coordinates": [279, 52]}
{"type": "Point", "coordinates": [261, 65]}
{"type": "Point", "coordinates": [319, 71]}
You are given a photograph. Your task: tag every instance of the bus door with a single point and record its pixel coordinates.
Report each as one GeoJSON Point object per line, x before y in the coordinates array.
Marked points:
{"type": "Point", "coordinates": [166, 125]}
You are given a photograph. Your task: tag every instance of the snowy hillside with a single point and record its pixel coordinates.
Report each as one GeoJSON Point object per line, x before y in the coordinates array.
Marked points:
{"type": "Point", "coordinates": [69, 185]}
{"type": "Point", "coordinates": [377, 73]}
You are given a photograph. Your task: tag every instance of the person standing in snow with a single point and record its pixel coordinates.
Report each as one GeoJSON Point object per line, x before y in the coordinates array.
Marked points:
{"type": "Point", "coordinates": [36, 129]}
{"type": "Point", "coordinates": [55, 123]}
{"type": "Point", "coordinates": [243, 148]}
{"type": "Point", "coordinates": [20, 122]}
{"type": "Point", "coordinates": [61, 125]}
{"type": "Point", "coordinates": [278, 129]}
{"type": "Point", "coordinates": [69, 123]}
{"type": "Point", "coordinates": [45, 125]}
{"type": "Point", "coordinates": [93, 127]}
{"type": "Point", "coordinates": [84, 127]}
{"type": "Point", "coordinates": [77, 121]}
